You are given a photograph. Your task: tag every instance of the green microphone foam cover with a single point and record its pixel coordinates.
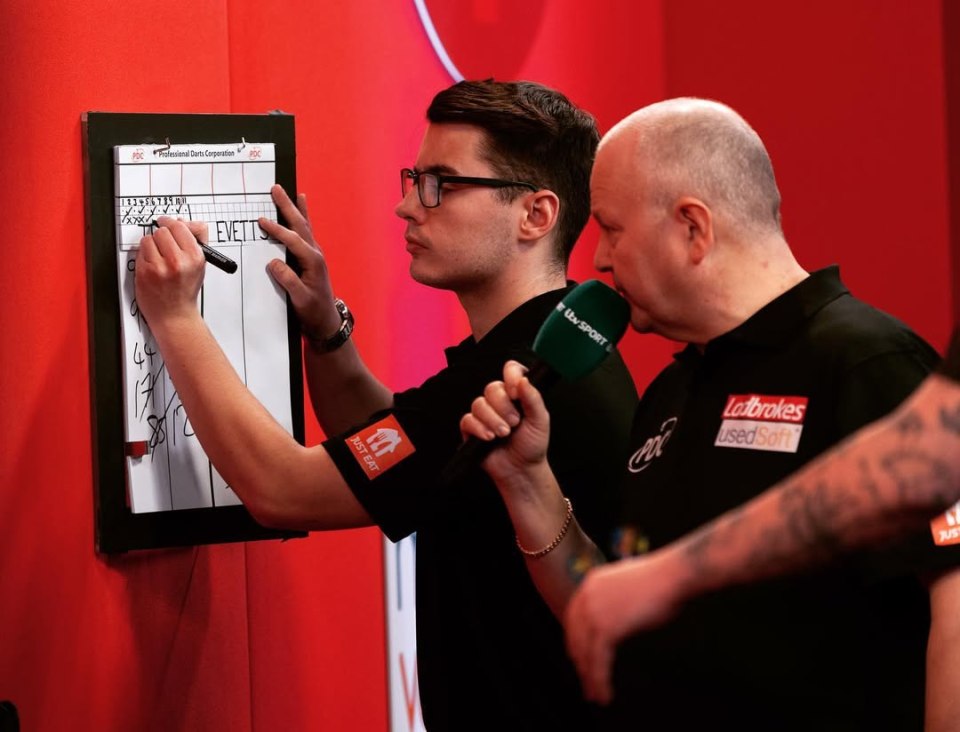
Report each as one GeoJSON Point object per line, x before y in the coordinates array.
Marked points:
{"type": "Point", "coordinates": [584, 327]}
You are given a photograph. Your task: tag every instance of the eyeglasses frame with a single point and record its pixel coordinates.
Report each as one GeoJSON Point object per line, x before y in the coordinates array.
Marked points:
{"type": "Point", "coordinates": [410, 174]}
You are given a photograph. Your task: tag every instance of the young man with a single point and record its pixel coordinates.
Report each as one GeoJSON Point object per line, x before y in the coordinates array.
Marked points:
{"type": "Point", "coordinates": [493, 206]}
{"type": "Point", "coordinates": [780, 365]}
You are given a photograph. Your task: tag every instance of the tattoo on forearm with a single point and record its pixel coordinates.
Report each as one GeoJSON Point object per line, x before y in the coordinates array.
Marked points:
{"type": "Point", "coordinates": [950, 418]}
{"type": "Point", "coordinates": [923, 483]}
{"type": "Point", "coordinates": [709, 542]}
{"type": "Point", "coordinates": [851, 499]}
{"type": "Point", "coordinates": [909, 423]}
{"type": "Point", "coordinates": [812, 514]}
{"type": "Point", "coordinates": [579, 564]}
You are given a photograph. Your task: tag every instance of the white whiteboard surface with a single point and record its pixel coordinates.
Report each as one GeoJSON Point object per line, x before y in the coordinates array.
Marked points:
{"type": "Point", "coordinates": [228, 187]}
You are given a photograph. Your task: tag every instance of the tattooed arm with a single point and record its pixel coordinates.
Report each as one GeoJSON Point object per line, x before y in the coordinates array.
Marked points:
{"type": "Point", "coordinates": [887, 479]}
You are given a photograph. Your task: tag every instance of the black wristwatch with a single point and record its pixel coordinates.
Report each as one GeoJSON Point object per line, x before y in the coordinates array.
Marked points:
{"type": "Point", "coordinates": [326, 345]}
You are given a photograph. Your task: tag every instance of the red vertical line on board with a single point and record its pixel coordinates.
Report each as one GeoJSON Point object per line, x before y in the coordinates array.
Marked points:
{"type": "Point", "coordinates": [213, 212]}
{"type": "Point", "coordinates": [409, 690]}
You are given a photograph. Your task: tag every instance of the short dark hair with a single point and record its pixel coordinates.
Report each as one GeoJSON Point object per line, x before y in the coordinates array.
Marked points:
{"type": "Point", "coordinates": [534, 134]}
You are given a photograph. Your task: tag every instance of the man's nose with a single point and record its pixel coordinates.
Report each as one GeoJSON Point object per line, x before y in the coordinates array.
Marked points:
{"type": "Point", "coordinates": [410, 206]}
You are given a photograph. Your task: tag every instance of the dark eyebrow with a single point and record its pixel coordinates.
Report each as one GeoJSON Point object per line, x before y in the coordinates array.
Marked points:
{"type": "Point", "coordinates": [437, 169]}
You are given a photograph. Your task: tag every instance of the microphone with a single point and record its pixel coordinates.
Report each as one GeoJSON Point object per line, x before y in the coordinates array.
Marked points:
{"type": "Point", "coordinates": [576, 337]}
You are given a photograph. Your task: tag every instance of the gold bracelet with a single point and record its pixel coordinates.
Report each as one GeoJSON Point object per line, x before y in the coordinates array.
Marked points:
{"type": "Point", "coordinates": [556, 540]}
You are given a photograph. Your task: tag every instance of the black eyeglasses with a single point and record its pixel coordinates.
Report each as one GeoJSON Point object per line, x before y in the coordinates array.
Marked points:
{"type": "Point", "coordinates": [430, 184]}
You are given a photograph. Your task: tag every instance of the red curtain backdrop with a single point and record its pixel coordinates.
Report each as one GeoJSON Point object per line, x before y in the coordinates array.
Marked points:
{"type": "Point", "coordinates": [269, 636]}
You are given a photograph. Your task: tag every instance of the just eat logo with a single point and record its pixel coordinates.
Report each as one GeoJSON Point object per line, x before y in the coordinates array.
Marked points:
{"type": "Point", "coordinates": [946, 527]}
{"type": "Point", "coordinates": [380, 446]}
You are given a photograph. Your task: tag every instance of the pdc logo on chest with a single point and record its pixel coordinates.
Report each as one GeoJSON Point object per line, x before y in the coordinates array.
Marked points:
{"type": "Point", "coordinates": [762, 422]}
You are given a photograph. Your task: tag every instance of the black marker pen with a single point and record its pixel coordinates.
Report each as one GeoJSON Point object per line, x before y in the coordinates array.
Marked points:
{"type": "Point", "coordinates": [218, 260]}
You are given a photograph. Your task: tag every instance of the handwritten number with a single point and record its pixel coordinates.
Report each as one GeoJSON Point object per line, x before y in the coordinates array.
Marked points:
{"type": "Point", "coordinates": [158, 434]}
{"type": "Point", "coordinates": [149, 384]}
{"type": "Point", "coordinates": [186, 430]}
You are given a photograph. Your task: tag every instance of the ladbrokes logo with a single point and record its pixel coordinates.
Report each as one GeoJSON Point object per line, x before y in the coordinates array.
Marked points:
{"type": "Point", "coordinates": [946, 527]}
{"type": "Point", "coordinates": [766, 408]}
{"type": "Point", "coordinates": [380, 446]}
{"type": "Point", "coordinates": [762, 422]}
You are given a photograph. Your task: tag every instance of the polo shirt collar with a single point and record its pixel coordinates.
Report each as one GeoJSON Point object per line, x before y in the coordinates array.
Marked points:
{"type": "Point", "coordinates": [527, 318]}
{"type": "Point", "coordinates": [775, 323]}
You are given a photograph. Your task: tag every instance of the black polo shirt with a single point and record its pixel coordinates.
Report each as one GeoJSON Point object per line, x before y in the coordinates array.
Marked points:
{"type": "Point", "coordinates": [490, 653]}
{"type": "Point", "coordinates": [840, 649]}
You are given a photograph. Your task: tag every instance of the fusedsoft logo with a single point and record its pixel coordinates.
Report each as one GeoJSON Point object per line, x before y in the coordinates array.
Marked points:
{"type": "Point", "coordinates": [946, 527]}
{"type": "Point", "coordinates": [652, 447]}
{"type": "Point", "coordinates": [762, 422]}
{"type": "Point", "coordinates": [380, 446]}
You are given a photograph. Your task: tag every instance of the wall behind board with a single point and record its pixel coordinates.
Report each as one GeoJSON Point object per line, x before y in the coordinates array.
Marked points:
{"type": "Point", "coordinates": [257, 636]}
{"type": "Point", "coordinates": [264, 636]}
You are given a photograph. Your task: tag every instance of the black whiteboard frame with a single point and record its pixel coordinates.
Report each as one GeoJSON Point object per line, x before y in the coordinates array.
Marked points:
{"type": "Point", "coordinates": [116, 528]}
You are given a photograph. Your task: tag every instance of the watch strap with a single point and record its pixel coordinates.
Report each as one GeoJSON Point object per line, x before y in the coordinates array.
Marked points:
{"type": "Point", "coordinates": [327, 345]}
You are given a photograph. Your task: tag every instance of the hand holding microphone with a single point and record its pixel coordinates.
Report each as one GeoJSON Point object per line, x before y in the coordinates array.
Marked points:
{"type": "Point", "coordinates": [574, 339]}
{"type": "Point", "coordinates": [510, 413]}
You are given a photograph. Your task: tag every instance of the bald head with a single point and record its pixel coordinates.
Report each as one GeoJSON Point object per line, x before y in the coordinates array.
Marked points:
{"type": "Point", "coordinates": [701, 148]}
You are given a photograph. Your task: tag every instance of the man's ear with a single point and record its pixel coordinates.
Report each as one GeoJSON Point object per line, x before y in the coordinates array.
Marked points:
{"type": "Point", "coordinates": [540, 213]}
{"type": "Point", "coordinates": [697, 220]}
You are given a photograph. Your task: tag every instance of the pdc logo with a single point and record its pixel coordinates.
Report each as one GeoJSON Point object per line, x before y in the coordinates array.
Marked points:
{"type": "Point", "coordinates": [762, 422]}
{"type": "Point", "coordinates": [652, 447]}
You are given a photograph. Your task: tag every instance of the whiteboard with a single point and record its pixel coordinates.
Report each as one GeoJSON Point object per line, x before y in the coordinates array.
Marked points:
{"type": "Point", "coordinates": [228, 187]}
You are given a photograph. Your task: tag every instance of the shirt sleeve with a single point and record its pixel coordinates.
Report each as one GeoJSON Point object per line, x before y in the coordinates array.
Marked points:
{"type": "Point", "coordinates": [392, 480]}
{"type": "Point", "coordinates": [401, 490]}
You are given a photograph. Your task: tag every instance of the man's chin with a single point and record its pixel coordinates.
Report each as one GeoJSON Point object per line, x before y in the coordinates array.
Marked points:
{"type": "Point", "coordinates": [641, 323]}
{"type": "Point", "coordinates": [430, 279]}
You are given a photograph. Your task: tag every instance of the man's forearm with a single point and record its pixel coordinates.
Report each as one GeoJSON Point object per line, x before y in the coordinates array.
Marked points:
{"type": "Point", "coordinates": [343, 391]}
{"type": "Point", "coordinates": [539, 513]}
{"type": "Point", "coordinates": [888, 479]}
{"type": "Point", "coordinates": [238, 434]}
{"type": "Point", "coordinates": [281, 482]}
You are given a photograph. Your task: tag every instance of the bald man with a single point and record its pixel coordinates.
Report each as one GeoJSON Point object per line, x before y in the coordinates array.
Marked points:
{"type": "Point", "coordinates": [780, 365]}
